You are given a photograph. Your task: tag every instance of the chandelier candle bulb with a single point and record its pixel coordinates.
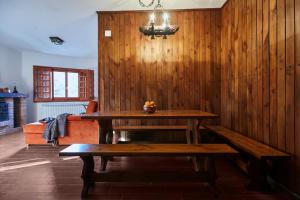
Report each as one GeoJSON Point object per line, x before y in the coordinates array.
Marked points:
{"type": "Point", "coordinates": [166, 17]}
{"type": "Point", "coordinates": [152, 18]}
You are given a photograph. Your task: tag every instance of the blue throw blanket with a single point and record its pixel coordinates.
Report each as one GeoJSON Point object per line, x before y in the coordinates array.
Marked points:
{"type": "Point", "coordinates": [56, 127]}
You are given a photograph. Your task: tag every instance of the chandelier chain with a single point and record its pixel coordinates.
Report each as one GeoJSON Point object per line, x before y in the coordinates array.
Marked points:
{"type": "Point", "coordinates": [146, 5]}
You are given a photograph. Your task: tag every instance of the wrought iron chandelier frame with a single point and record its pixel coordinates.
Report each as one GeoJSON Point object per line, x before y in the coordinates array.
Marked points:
{"type": "Point", "coordinates": [157, 31]}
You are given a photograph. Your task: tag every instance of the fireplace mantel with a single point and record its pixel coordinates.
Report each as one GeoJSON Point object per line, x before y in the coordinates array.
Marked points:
{"type": "Point", "coordinates": [13, 95]}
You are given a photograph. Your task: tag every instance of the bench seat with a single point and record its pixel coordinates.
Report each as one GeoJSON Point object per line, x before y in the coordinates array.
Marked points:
{"type": "Point", "coordinates": [250, 146]}
{"type": "Point", "coordinates": [147, 128]}
{"type": "Point", "coordinates": [87, 151]}
{"type": "Point", "coordinates": [148, 150]}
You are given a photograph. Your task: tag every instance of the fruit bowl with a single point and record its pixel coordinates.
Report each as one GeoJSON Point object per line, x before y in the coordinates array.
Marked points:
{"type": "Point", "coordinates": [150, 107]}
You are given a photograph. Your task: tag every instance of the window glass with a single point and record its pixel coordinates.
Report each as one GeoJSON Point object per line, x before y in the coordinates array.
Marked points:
{"type": "Point", "coordinates": [73, 84]}
{"type": "Point", "coordinates": [59, 84]}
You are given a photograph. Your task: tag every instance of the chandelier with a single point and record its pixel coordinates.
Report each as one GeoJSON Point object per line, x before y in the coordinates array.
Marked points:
{"type": "Point", "coordinates": [158, 16]}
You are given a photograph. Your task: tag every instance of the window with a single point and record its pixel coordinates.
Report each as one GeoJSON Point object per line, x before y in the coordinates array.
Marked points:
{"type": "Point", "coordinates": [62, 84]}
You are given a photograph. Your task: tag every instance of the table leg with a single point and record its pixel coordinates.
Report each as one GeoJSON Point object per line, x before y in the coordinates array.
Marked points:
{"type": "Point", "coordinates": [105, 137]}
{"type": "Point", "coordinates": [193, 126]}
{"type": "Point", "coordinates": [188, 133]}
{"type": "Point", "coordinates": [106, 131]}
{"type": "Point", "coordinates": [87, 174]}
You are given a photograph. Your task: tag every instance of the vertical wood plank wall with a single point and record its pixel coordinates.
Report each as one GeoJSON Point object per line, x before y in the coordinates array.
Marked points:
{"type": "Point", "coordinates": [181, 72]}
{"type": "Point", "coordinates": [260, 73]}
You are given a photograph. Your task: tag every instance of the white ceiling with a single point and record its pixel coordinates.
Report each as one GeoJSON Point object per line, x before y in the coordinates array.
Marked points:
{"type": "Point", "coordinates": [27, 24]}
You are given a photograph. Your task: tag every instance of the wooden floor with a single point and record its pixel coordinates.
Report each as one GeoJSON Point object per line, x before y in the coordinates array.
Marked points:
{"type": "Point", "coordinates": [38, 173]}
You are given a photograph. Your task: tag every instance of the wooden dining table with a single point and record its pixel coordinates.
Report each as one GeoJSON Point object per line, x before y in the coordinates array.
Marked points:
{"type": "Point", "coordinates": [193, 118]}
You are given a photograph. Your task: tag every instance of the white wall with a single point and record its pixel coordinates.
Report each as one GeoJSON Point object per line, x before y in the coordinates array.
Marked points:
{"type": "Point", "coordinates": [10, 67]}
{"type": "Point", "coordinates": [29, 59]}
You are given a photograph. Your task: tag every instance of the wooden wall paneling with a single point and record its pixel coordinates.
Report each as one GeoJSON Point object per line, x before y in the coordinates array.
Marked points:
{"type": "Point", "coordinates": [117, 89]}
{"type": "Point", "coordinates": [197, 64]}
{"type": "Point", "coordinates": [127, 63]}
{"type": "Point", "coordinates": [238, 71]}
{"type": "Point", "coordinates": [273, 73]}
{"type": "Point", "coordinates": [254, 98]}
{"type": "Point", "coordinates": [223, 68]}
{"type": "Point", "coordinates": [113, 60]}
{"type": "Point", "coordinates": [210, 64]}
{"type": "Point", "coordinates": [207, 65]}
{"type": "Point", "coordinates": [297, 88]}
{"type": "Point", "coordinates": [235, 68]}
{"type": "Point", "coordinates": [143, 58]}
{"type": "Point", "coordinates": [172, 72]}
{"type": "Point", "coordinates": [175, 75]}
{"type": "Point", "coordinates": [138, 87]}
{"type": "Point", "coordinates": [113, 42]}
{"type": "Point", "coordinates": [233, 64]}
{"type": "Point", "coordinates": [281, 74]}
{"type": "Point", "coordinates": [260, 70]}
{"type": "Point", "coordinates": [248, 44]}
{"type": "Point", "coordinates": [230, 64]}
{"type": "Point", "coordinates": [161, 87]}
{"type": "Point", "coordinates": [223, 64]}
{"type": "Point", "coordinates": [109, 69]}
{"type": "Point", "coordinates": [290, 75]}
{"type": "Point", "coordinates": [290, 88]}
{"type": "Point", "coordinates": [243, 73]}
{"type": "Point", "coordinates": [202, 51]}
{"type": "Point", "coordinates": [122, 63]}
{"type": "Point", "coordinates": [266, 73]}
{"type": "Point", "coordinates": [186, 59]}
{"type": "Point", "coordinates": [169, 45]}
{"type": "Point", "coordinates": [135, 103]}
{"type": "Point", "coordinates": [107, 64]}
{"type": "Point", "coordinates": [100, 62]}
{"type": "Point", "coordinates": [180, 44]}
{"type": "Point", "coordinates": [217, 72]}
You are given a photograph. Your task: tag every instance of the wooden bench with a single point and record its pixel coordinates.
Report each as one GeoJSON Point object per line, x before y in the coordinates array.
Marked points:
{"type": "Point", "coordinates": [87, 151]}
{"type": "Point", "coordinates": [258, 155]}
{"type": "Point", "coordinates": [147, 128]}
{"type": "Point", "coordinates": [143, 128]}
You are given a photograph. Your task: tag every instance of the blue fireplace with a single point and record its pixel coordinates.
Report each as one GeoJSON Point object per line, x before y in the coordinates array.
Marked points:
{"type": "Point", "coordinates": [4, 114]}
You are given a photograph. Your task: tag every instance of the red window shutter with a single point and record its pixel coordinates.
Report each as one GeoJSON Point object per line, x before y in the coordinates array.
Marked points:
{"type": "Point", "coordinates": [42, 83]}
{"type": "Point", "coordinates": [91, 84]}
{"type": "Point", "coordinates": [86, 85]}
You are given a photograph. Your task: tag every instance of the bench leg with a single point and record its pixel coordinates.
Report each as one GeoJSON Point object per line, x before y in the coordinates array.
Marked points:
{"type": "Point", "coordinates": [103, 164]}
{"type": "Point", "coordinates": [210, 169]}
{"type": "Point", "coordinates": [87, 175]}
{"type": "Point", "coordinates": [257, 172]}
{"type": "Point", "coordinates": [116, 137]}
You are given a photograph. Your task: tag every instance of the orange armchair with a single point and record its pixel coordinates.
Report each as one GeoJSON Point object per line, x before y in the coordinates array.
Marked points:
{"type": "Point", "coordinates": [78, 130]}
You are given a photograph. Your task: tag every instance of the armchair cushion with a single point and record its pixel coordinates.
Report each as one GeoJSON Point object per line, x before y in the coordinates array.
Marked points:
{"type": "Point", "coordinates": [34, 128]}
{"type": "Point", "coordinates": [92, 107]}
{"type": "Point", "coordinates": [74, 118]}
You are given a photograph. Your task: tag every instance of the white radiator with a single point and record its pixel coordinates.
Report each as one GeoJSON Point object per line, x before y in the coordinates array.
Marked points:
{"type": "Point", "coordinates": [54, 109]}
